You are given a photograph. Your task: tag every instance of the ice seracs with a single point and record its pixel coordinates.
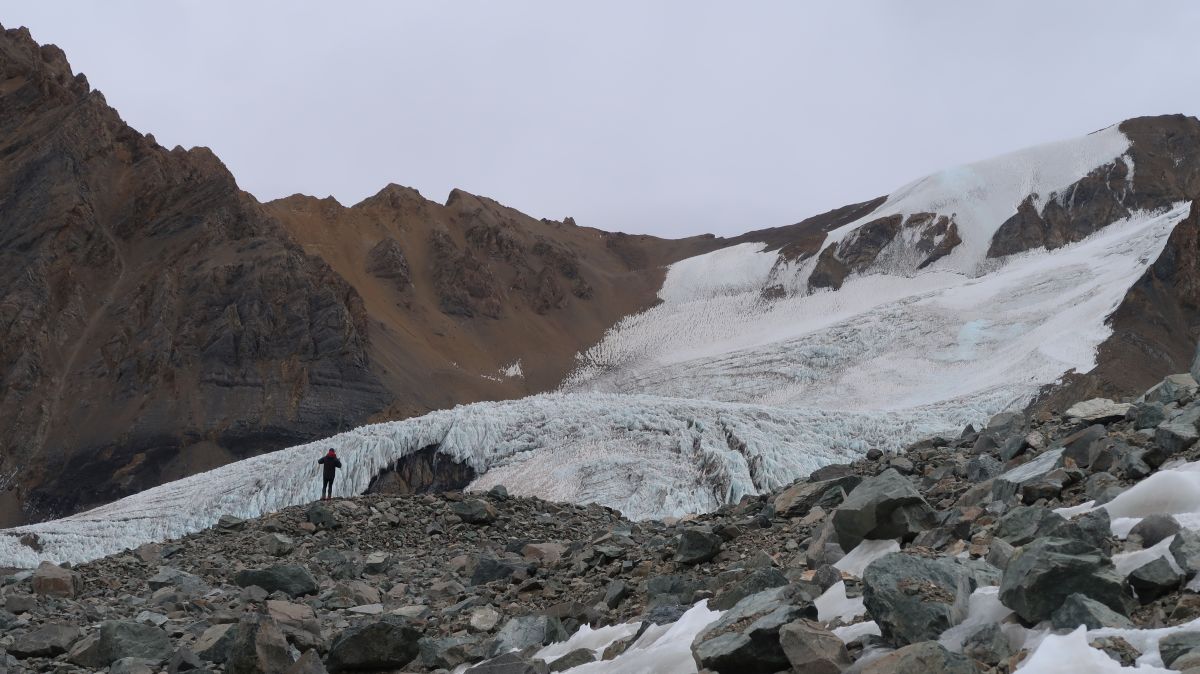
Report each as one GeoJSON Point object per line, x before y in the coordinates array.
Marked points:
{"type": "Point", "coordinates": [721, 390]}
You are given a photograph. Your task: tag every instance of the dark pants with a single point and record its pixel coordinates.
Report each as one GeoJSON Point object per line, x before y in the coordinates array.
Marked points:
{"type": "Point", "coordinates": [327, 487]}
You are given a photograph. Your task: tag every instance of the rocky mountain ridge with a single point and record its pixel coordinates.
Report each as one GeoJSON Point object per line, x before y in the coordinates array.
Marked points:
{"type": "Point", "coordinates": [948, 557]}
{"type": "Point", "coordinates": [159, 322]}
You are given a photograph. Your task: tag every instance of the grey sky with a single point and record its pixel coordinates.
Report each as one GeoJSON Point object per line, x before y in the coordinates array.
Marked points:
{"type": "Point", "coordinates": [670, 118]}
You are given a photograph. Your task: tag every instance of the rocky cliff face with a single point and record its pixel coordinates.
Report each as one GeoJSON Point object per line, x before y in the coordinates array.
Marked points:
{"type": "Point", "coordinates": [154, 319]}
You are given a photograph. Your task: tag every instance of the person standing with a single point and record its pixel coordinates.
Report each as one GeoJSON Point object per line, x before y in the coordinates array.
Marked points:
{"type": "Point", "coordinates": [331, 462]}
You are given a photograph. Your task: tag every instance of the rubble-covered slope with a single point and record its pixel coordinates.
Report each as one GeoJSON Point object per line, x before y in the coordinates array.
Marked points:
{"type": "Point", "coordinates": [1066, 543]}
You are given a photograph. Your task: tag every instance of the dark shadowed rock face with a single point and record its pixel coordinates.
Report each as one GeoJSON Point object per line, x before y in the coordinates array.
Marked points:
{"type": "Point", "coordinates": [427, 470]}
{"type": "Point", "coordinates": [149, 301]}
{"type": "Point", "coordinates": [1164, 151]}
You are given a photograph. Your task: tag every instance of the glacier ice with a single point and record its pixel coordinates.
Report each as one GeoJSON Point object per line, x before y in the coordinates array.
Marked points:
{"type": "Point", "coordinates": [716, 392]}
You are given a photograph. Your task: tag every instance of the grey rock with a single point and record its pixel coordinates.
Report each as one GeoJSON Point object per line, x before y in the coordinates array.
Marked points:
{"type": "Point", "coordinates": [1023, 524]}
{"type": "Point", "coordinates": [474, 511]}
{"type": "Point", "coordinates": [1185, 548]}
{"type": "Point", "coordinates": [1155, 579]}
{"type": "Point", "coordinates": [214, 644]}
{"type": "Point", "coordinates": [258, 647]}
{"type": "Point", "coordinates": [1174, 646]}
{"type": "Point", "coordinates": [449, 652]}
{"type": "Point", "coordinates": [1180, 432]}
{"type": "Point", "coordinates": [309, 663]}
{"type": "Point", "coordinates": [757, 581]}
{"type": "Point", "coordinates": [999, 553]}
{"type": "Point", "coordinates": [1154, 528]}
{"type": "Point", "coordinates": [127, 639]}
{"type": "Point", "coordinates": [812, 649]}
{"type": "Point", "coordinates": [983, 467]}
{"type": "Point", "coordinates": [1173, 388]}
{"type": "Point", "coordinates": [616, 592]}
{"type": "Point", "coordinates": [230, 523]}
{"type": "Point", "coordinates": [291, 579]}
{"type": "Point", "coordinates": [988, 645]}
{"type": "Point", "coordinates": [798, 499]}
{"type": "Point", "coordinates": [1098, 411]}
{"type": "Point", "coordinates": [1078, 445]}
{"type": "Point", "coordinates": [746, 637]}
{"type": "Point", "coordinates": [187, 583]}
{"type": "Point", "coordinates": [884, 506]}
{"type": "Point", "coordinates": [577, 657]}
{"type": "Point", "coordinates": [697, 546]}
{"type": "Point", "coordinates": [1078, 610]}
{"type": "Point", "coordinates": [184, 660]}
{"type": "Point", "coordinates": [510, 663]}
{"type": "Point", "coordinates": [321, 516]}
{"type": "Point", "coordinates": [389, 643]}
{"type": "Point", "coordinates": [525, 631]}
{"type": "Point", "coordinates": [1148, 414]}
{"type": "Point", "coordinates": [277, 545]}
{"type": "Point", "coordinates": [86, 653]}
{"type": "Point", "coordinates": [133, 666]}
{"type": "Point", "coordinates": [1041, 575]}
{"type": "Point", "coordinates": [670, 590]}
{"type": "Point", "coordinates": [46, 641]}
{"type": "Point", "coordinates": [927, 657]}
{"type": "Point", "coordinates": [1009, 483]}
{"type": "Point", "coordinates": [913, 598]}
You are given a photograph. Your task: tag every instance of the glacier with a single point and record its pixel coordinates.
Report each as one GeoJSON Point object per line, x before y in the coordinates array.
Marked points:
{"type": "Point", "coordinates": [719, 391]}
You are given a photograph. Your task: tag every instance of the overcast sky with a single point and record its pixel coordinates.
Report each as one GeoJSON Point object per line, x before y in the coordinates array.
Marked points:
{"type": "Point", "coordinates": [671, 118]}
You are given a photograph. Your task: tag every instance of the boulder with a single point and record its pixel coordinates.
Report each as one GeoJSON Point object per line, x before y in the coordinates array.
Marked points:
{"type": "Point", "coordinates": [54, 581]}
{"type": "Point", "coordinates": [746, 637]}
{"type": "Point", "coordinates": [309, 663]}
{"type": "Point", "coordinates": [1078, 445]}
{"type": "Point", "coordinates": [1185, 548]}
{"type": "Point", "coordinates": [1180, 432]}
{"type": "Point", "coordinates": [510, 663]}
{"type": "Point", "coordinates": [389, 643]}
{"type": "Point", "coordinates": [1009, 483]}
{"type": "Point", "coordinates": [1078, 610]}
{"type": "Point", "coordinates": [1173, 388]}
{"type": "Point", "coordinates": [913, 598]}
{"type": "Point", "coordinates": [321, 516]}
{"type": "Point", "coordinates": [697, 546]}
{"type": "Point", "coordinates": [757, 581]}
{"type": "Point", "coordinates": [798, 499]}
{"type": "Point", "coordinates": [1174, 646]}
{"type": "Point", "coordinates": [128, 639]}
{"type": "Point", "coordinates": [1148, 415]}
{"type": "Point", "coordinates": [291, 579]}
{"type": "Point", "coordinates": [988, 645]}
{"type": "Point", "coordinates": [133, 666]}
{"type": "Point", "coordinates": [46, 641]}
{"type": "Point", "coordinates": [1155, 579]}
{"type": "Point", "coordinates": [484, 619]}
{"type": "Point", "coordinates": [230, 523]}
{"type": "Point", "coordinates": [884, 506]}
{"type": "Point", "coordinates": [1041, 575]}
{"type": "Point", "coordinates": [927, 657]}
{"type": "Point", "coordinates": [1098, 411]}
{"type": "Point", "coordinates": [184, 660]}
{"type": "Point", "coordinates": [474, 511]}
{"type": "Point", "coordinates": [1023, 524]}
{"type": "Point", "coordinates": [1154, 528]}
{"type": "Point", "coordinates": [187, 583]}
{"type": "Point", "coordinates": [576, 658]}
{"type": "Point", "coordinates": [812, 649]}
{"type": "Point", "coordinates": [277, 545]}
{"type": "Point", "coordinates": [525, 631]}
{"type": "Point", "coordinates": [213, 645]}
{"type": "Point", "coordinates": [259, 647]}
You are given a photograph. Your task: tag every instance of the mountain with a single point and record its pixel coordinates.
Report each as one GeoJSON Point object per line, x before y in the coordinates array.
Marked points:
{"type": "Point", "coordinates": [157, 321]}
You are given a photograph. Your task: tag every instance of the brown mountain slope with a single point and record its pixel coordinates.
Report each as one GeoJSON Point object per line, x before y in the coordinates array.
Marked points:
{"type": "Point", "coordinates": [458, 292]}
